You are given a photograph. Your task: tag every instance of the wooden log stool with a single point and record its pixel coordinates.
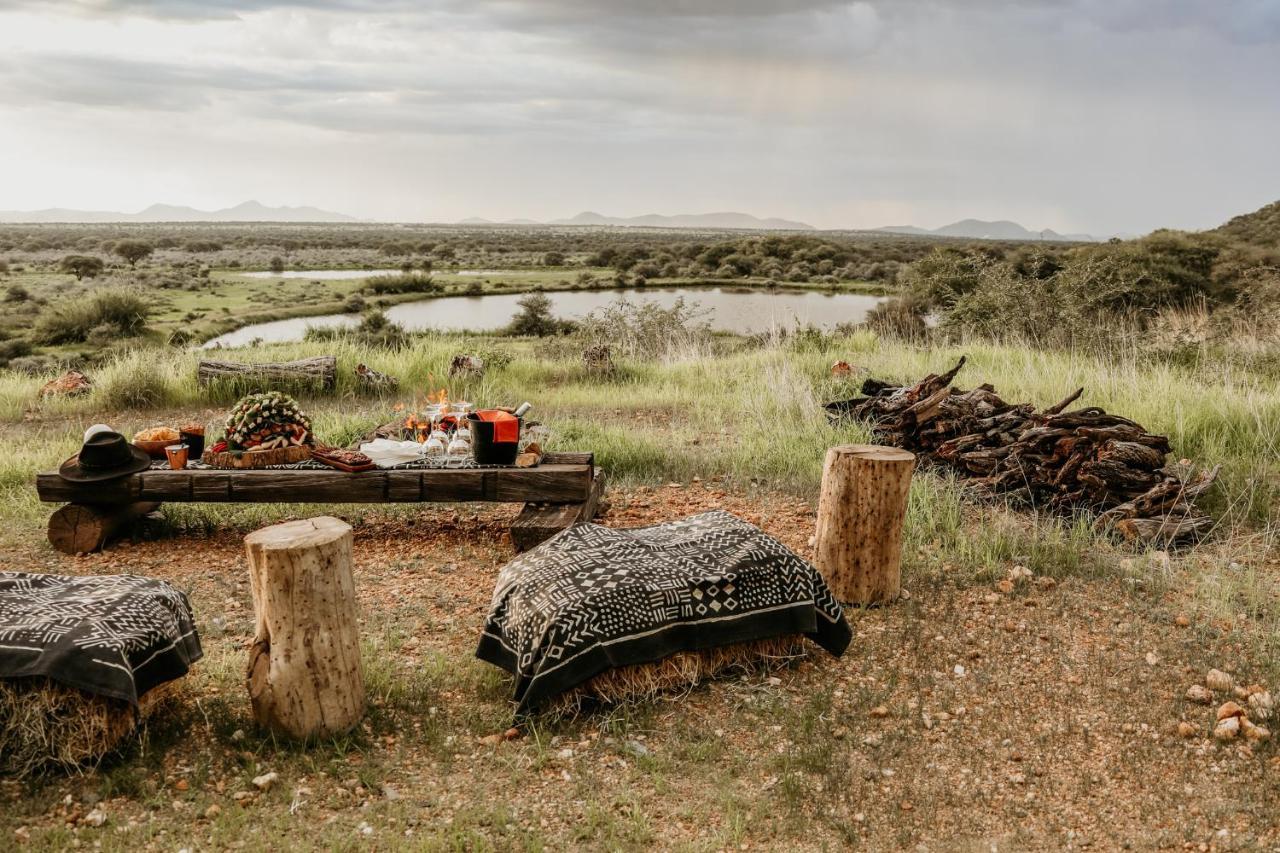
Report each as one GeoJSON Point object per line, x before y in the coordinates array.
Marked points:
{"type": "Point", "coordinates": [863, 503]}
{"type": "Point", "coordinates": [304, 672]}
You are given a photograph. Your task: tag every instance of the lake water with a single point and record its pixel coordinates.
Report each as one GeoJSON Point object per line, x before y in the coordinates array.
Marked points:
{"type": "Point", "coordinates": [320, 275]}
{"type": "Point", "coordinates": [740, 310]}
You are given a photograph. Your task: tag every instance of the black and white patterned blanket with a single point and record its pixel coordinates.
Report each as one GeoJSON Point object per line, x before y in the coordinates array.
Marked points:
{"type": "Point", "coordinates": [593, 598]}
{"type": "Point", "coordinates": [112, 635]}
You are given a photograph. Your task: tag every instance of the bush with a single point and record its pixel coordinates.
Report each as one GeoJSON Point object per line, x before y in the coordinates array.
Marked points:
{"type": "Point", "coordinates": [406, 283]}
{"type": "Point", "coordinates": [277, 264]}
{"type": "Point", "coordinates": [14, 349]}
{"type": "Point", "coordinates": [16, 293]}
{"type": "Point", "coordinates": [82, 266]}
{"type": "Point", "coordinates": [355, 304]}
{"type": "Point", "coordinates": [901, 317]}
{"type": "Point", "coordinates": [114, 313]}
{"type": "Point", "coordinates": [535, 318]}
{"type": "Point", "coordinates": [553, 259]}
{"type": "Point", "coordinates": [646, 329]}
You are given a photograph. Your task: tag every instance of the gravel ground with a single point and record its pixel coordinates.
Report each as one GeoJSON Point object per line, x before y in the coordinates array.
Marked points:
{"type": "Point", "coordinates": [1032, 713]}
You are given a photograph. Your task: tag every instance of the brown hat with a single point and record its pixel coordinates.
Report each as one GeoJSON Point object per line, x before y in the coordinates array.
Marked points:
{"type": "Point", "coordinates": [104, 456]}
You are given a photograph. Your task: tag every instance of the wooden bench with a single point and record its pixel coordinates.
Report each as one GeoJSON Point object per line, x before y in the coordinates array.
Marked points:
{"type": "Point", "coordinates": [564, 489]}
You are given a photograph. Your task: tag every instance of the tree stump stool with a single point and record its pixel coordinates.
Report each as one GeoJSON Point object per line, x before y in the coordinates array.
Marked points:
{"type": "Point", "coordinates": [863, 503]}
{"type": "Point", "coordinates": [304, 672]}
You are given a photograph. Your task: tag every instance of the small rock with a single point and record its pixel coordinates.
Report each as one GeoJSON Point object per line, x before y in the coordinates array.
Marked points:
{"type": "Point", "coordinates": [490, 740]}
{"type": "Point", "coordinates": [565, 754]}
{"type": "Point", "coordinates": [1019, 573]}
{"type": "Point", "coordinates": [390, 793]}
{"type": "Point", "coordinates": [1218, 680]}
{"type": "Point", "coordinates": [1227, 729]}
{"type": "Point", "coordinates": [237, 735]}
{"type": "Point", "coordinates": [637, 749]}
{"type": "Point", "coordinates": [181, 785]}
{"type": "Point", "coordinates": [1260, 705]}
{"type": "Point", "coordinates": [243, 797]}
{"type": "Point", "coordinates": [1186, 730]}
{"type": "Point", "coordinates": [1182, 621]}
{"type": "Point", "coordinates": [266, 780]}
{"type": "Point", "coordinates": [1229, 709]}
{"type": "Point", "coordinates": [1198, 694]}
{"type": "Point", "coordinates": [959, 670]}
{"type": "Point", "coordinates": [213, 811]}
{"type": "Point", "coordinates": [97, 817]}
{"type": "Point", "coordinates": [1253, 732]}
{"type": "Point", "coordinates": [512, 733]}
{"type": "Point", "coordinates": [1005, 586]}
{"type": "Point", "coordinates": [880, 712]}
{"type": "Point", "coordinates": [1152, 659]}
{"type": "Point", "coordinates": [22, 835]}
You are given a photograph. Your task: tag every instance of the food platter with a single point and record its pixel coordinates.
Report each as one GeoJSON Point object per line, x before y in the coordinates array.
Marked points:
{"type": "Point", "coordinates": [256, 458]}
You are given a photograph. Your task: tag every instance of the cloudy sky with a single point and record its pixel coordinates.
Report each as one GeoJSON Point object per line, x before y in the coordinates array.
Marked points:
{"type": "Point", "coordinates": [1079, 115]}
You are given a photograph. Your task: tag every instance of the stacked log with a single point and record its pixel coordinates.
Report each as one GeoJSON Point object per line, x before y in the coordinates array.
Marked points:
{"type": "Point", "coordinates": [1063, 460]}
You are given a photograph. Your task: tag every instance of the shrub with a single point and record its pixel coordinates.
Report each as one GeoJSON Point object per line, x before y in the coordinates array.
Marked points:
{"type": "Point", "coordinates": [553, 259]}
{"type": "Point", "coordinates": [535, 318]}
{"type": "Point", "coordinates": [16, 293]}
{"type": "Point", "coordinates": [116, 313]}
{"type": "Point", "coordinates": [355, 304]}
{"type": "Point", "coordinates": [277, 264]}
{"type": "Point", "coordinates": [646, 329]}
{"type": "Point", "coordinates": [406, 283]}
{"type": "Point", "coordinates": [82, 266]}
{"type": "Point", "coordinates": [13, 349]}
{"type": "Point", "coordinates": [901, 317]}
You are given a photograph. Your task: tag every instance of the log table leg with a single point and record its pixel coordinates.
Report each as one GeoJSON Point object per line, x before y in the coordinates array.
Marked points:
{"type": "Point", "coordinates": [860, 513]}
{"type": "Point", "coordinates": [84, 528]}
{"type": "Point", "coordinates": [304, 671]}
{"type": "Point", "coordinates": [538, 522]}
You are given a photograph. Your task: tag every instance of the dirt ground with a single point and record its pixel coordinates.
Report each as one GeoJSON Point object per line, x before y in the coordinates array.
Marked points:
{"type": "Point", "coordinates": [1041, 714]}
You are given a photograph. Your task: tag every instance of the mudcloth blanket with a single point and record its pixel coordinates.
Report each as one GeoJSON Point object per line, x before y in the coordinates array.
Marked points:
{"type": "Point", "coordinates": [112, 635]}
{"type": "Point", "coordinates": [592, 598]}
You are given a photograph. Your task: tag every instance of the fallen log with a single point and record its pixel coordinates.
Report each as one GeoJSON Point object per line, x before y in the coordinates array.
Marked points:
{"type": "Point", "coordinates": [1084, 458]}
{"type": "Point", "coordinates": [320, 370]}
{"type": "Point", "coordinates": [85, 528]}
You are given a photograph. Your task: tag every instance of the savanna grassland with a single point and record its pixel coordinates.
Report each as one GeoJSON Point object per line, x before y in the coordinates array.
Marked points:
{"type": "Point", "coordinates": [979, 711]}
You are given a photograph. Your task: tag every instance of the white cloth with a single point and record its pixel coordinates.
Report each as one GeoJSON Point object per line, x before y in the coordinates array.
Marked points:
{"type": "Point", "coordinates": [387, 453]}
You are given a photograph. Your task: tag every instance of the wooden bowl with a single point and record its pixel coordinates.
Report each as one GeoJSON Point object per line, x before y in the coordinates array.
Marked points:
{"type": "Point", "coordinates": [155, 449]}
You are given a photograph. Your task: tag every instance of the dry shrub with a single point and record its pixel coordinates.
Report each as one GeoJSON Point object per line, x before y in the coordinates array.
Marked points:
{"type": "Point", "coordinates": [677, 673]}
{"type": "Point", "coordinates": [46, 725]}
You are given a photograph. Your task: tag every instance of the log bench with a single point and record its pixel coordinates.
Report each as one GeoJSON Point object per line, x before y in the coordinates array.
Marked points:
{"type": "Point", "coordinates": [561, 491]}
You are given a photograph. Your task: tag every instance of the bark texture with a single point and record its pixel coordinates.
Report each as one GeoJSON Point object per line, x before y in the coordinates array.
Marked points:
{"type": "Point", "coordinates": [304, 671]}
{"type": "Point", "coordinates": [858, 547]}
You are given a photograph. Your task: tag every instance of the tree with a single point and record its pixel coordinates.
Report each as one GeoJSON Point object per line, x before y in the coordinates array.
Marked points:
{"type": "Point", "coordinates": [553, 259]}
{"type": "Point", "coordinates": [133, 251]}
{"type": "Point", "coordinates": [535, 317]}
{"type": "Point", "coordinates": [82, 266]}
{"type": "Point", "coordinates": [277, 264]}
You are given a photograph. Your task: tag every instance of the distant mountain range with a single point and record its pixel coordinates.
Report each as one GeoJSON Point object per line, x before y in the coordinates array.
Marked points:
{"type": "Point", "coordinates": [249, 211]}
{"type": "Point", "coordinates": [725, 220]}
{"type": "Point", "coordinates": [978, 229]}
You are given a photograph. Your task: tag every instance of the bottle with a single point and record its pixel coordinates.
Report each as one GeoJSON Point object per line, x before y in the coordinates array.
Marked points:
{"type": "Point", "coordinates": [522, 409]}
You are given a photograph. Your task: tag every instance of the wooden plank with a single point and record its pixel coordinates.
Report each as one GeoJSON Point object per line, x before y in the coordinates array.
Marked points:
{"type": "Point", "coordinates": [404, 486]}
{"type": "Point", "coordinates": [52, 488]}
{"type": "Point", "coordinates": [568, 458]}
{"type": "Point", "coordinates": [562, 484]}
{"type": "Point", "coordinates": [548, 483]}
{"type": "Point", "coordinates": [294, 486]}
{"type": "Point", "coordinates": [538, 522]}
{"type": "Point", "coordinates": [165, 485]}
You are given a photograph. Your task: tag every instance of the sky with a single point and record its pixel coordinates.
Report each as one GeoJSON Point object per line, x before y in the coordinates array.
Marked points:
{"type": "Point", "coordinates": [1101, 116]}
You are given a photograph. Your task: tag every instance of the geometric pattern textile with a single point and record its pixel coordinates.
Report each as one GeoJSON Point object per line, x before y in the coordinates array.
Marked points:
{"type": "Point", "coordinates": [111, 635]}
{"type": "Point", "coordinates": [593, 598]}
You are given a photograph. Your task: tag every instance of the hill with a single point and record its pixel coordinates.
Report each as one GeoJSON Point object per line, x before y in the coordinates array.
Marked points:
{"type": "Point", "coordinates": [981, 229]}
{"type": "Point", "coordinates": [249, 211]}
{"type": "Point", "coordinates": [1260, 228]}
{"type": "Point", "coordinates": [726, 219]}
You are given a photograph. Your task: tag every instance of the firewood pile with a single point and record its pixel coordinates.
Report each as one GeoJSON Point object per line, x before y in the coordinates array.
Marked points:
{"type": "Point", "coordinates": [1064, 460]}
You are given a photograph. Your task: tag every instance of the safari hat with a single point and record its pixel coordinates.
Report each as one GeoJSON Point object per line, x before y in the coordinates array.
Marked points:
{"type": "Point", "coordinates": [104, 456]}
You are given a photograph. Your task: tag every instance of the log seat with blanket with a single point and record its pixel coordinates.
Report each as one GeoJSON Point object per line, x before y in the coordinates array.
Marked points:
{"type": "Point", "coordinates": [1062, 460]}
{"type": "Point", "coordinates": [83, 660]}
{"type": "Point", "coordinates": [596, 612]}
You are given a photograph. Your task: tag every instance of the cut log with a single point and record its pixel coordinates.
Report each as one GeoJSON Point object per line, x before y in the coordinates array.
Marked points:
{"type": "Point", "coordinates": [304, 671]}
{"type": "Point", "coordinates": [861, 509]}
{"type": "Point", "coordinates": [84, 528]}
{"type": "Point", "coordinates": [538, 522]}
{"type": "Point", "coordinates": [375, 380]}
{"type": "Point", "coordinates": [321, 370]}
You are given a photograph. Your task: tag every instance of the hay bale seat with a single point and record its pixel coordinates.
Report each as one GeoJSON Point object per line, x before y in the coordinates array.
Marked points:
{"type": "Point", "coordinates": [83, 662]}
{"type": "Point", "coordinates": [596, 614]}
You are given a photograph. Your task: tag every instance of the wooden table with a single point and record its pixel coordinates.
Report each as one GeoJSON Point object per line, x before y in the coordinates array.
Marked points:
{"type": "Point", "coordinates": [564, 489]}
